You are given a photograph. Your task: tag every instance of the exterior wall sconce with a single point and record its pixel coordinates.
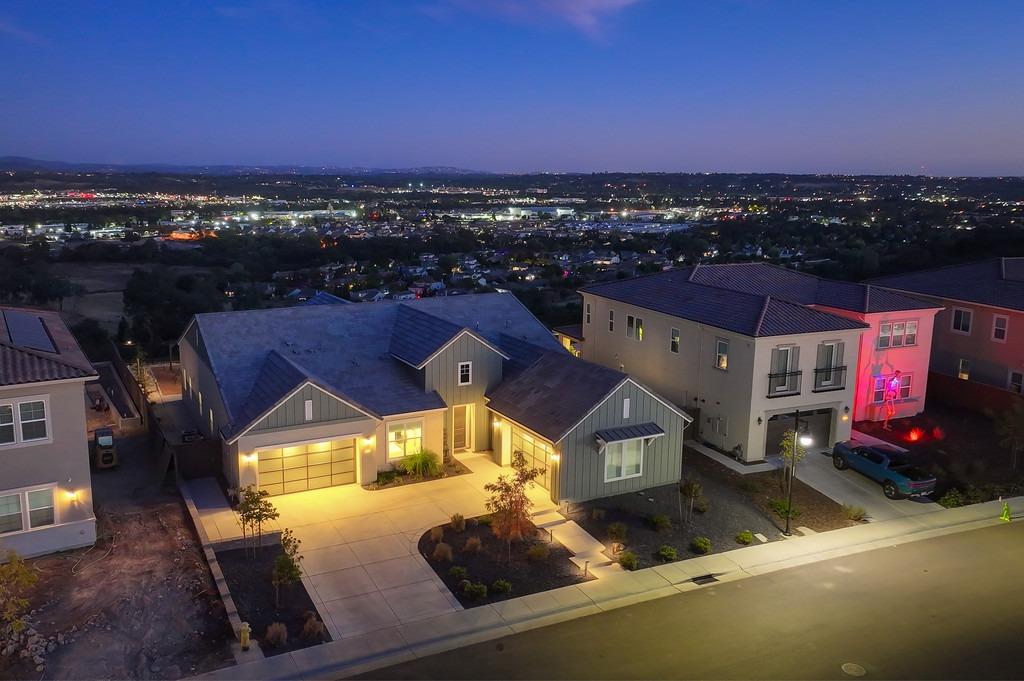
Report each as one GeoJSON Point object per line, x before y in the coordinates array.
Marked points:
{"type": "Point", "coordinates": [251, 457]}
{"type": "Point", "coordinates": [846, 413]}
{"type": "Point", "coordinates": [760, 420]}
{"type": "Point", "coordinates": [556, 457]}
{"type": "Point", "coordinates": [71, 495]}
{"type": "Point", "coordinates": [497, 423]}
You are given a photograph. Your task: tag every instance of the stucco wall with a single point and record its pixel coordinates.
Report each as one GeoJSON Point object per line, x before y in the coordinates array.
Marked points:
{"type": "Point", "coordinates": [991, 361]}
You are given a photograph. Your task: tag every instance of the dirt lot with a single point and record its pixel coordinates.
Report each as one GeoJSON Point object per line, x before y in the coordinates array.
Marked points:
{"type": "Point", "coordinates": [139, 604]}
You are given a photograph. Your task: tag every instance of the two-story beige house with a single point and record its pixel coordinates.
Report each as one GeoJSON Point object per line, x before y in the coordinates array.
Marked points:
{"type": "Point", "coordinates": [745, 347]}
{"type": "Point", "coordinates": [45, 484]}
{"type": "Point", "coordinates": [977, 349]}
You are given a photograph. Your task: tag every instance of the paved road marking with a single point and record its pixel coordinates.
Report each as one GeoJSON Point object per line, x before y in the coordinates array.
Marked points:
{"type": "Point", "coordinates": [853, 669]}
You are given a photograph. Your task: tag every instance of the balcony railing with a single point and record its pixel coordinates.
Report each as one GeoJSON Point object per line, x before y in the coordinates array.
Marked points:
{"type": "Point", "coordinates": [783, 384]}
{"type": "Point", "coordinates": [829, 378]}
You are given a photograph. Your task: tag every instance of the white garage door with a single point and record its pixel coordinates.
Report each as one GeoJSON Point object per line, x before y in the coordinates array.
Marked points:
{"type": "Point", "coordinates": [303, 467]}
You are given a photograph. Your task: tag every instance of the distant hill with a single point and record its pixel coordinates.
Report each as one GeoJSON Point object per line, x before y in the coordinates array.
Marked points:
{"type": "Point", "coordinates": [23, 164]}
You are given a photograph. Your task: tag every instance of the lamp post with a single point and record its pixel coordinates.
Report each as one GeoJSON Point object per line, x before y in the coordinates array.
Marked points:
{"type": "Point", "coordinates": [798, 441]}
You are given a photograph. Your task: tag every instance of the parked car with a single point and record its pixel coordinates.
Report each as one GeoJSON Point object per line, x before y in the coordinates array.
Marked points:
{"type": "Point", "coordinates": [886, 465]}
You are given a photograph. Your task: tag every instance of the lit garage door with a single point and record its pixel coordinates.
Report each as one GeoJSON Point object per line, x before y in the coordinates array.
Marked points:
{"type": "Point", "coordinates": [538, 454]}
{"type": "Point", "coordinates": [304, 467]}
{"type": "Point", "coordinates": [816, 423]}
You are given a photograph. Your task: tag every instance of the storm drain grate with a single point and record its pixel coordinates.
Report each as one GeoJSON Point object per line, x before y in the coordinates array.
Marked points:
{"type": "Point", "coordinates": [704, 579]}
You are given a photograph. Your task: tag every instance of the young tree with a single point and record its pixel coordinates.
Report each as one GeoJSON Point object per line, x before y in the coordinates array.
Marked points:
{"type": "Point", "coordinates": [255, 509]}
{"type": "Point", "coordinates": [509, 503]}
{"type": "Point", "coordinates": [286, 566]}
{"type": "Point", "coordinates": [793, 452]}
{"type": "Point", "coordinates": [15, 580]}
{"type": "Point", "coordinates": [691, 489]}
{"type": "Point", "coordinates": [1010, 427]}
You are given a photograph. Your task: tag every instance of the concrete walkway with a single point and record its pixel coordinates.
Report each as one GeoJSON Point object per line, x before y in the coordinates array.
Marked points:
{"type": "Point", "coordinates": [452, 630]}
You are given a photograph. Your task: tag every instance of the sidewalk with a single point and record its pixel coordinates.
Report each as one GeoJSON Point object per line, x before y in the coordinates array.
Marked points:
{"type": "Point", "coordinates": [456, 629]}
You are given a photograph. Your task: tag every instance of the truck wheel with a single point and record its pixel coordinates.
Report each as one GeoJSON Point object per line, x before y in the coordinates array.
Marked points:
{"type": "Point", "coordinates": [839, 462]}
{"type": "Point", "coordinates": [890, 490]}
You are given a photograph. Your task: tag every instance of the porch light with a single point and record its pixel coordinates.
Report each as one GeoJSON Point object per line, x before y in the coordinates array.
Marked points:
{"type": "Point", "coordinates": [555, 457]}
{"type": "Point", "coordinates": [71, 495]}
{"type": "Point", "coordinates": [497, 423]}
{"type": "Point", "coordinates": [251, 457]}
{"type": "Point", "coordinates": [367, 441]}
{"type": "Point", "coordinates": [806, 440]}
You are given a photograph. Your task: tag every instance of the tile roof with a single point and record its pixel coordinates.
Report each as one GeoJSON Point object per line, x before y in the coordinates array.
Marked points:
{"type": "Point", "coordinates": [996, 281]}
{"type": "Point", "coordinates": [554, 393]}
{"type": "Point", "coordinates": [752, 314]}
{"type": "Point", "coordinates": [325, 298]}
{"type": "Point", "coordinates": [630, 432]}
{"type": "Point", "coordinates": [21, 364]}
{"type": "Point", "coordinates": [345, 349]}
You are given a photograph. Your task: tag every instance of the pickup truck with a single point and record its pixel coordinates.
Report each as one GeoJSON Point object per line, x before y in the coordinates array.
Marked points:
{"type": "Point", "coordinates": [886, 465]}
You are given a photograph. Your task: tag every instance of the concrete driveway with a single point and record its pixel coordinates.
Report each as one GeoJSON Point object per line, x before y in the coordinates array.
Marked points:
{"type": "Point", "coordinates": [850, 487]}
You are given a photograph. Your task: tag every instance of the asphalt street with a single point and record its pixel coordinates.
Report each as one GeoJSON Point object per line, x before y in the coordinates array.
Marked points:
{"type": "Point", "coordinates": [944, 608]}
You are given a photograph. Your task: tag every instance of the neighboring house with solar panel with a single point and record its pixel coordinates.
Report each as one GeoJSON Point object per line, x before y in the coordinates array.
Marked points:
{"type": "Point", "coordinates": [45, 484]}
{"type": "Point", "coordinates": [977, 350]}
{"type": "Point", "coordinates": [316, 396]}
{"type": "Point", "coordinates": [743, 347]}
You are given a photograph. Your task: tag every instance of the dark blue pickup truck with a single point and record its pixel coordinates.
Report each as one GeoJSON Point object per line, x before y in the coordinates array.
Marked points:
{"type": "Point", "coordinates": [886, 465]}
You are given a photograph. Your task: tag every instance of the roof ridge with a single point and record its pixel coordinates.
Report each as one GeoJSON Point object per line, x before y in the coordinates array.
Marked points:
{"type": "Point", "coordinates": [39, 354]}
{"type": "Point", "coordinates": [693, 273]}
{"type": "Point", "coordinates": [760, 317]}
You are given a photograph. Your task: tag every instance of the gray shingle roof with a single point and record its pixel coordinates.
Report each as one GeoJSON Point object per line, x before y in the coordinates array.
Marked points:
{"type": "Point", "coordinates": [20, 364]}
{"type": "Point", "coordinates": [997, 281]}
{"type": "Point", "coordinates": [345, 349]}
{"type": "Point", "coordinates": [418, 335]}
{"type": "Point", "coordinates": [751, 314]}
{"type": "Point", "coordinates": [325, 298]}
{"type": "Point", "coordinates": [631, 432]}
{"type": "Point", "coordinates": [551, 396]}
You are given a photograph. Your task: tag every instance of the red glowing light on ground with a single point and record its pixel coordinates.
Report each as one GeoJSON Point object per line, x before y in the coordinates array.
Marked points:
{"type": "Point", "coordinates": [915, 435]}
{"type": "Point", "coordinates": [938, 433]}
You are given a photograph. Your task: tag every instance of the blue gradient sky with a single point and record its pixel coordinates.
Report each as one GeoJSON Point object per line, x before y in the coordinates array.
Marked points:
{"type": "Point", "coordinates": [930, 87]}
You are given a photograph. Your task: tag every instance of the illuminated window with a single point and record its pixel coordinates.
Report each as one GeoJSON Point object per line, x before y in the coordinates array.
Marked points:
{"type": "Point", "coordinates": [634, 327]}
{"type": "Point", "coordinates": [623, 460]}
{"type": "Point", "coordinates": [465, 373]}
{"type": "Point", "coordinates": [722, 354]}
{"type": "Point", "coordinates": [405, 438]}
{"type": "Point", "coordinates": [307, 407]}
{"type": "Point", "coordinates": [963, 369]}
{"type": "Point", "coordinates": [639, 328]}
{"type": "Point", "coordinates": [674, 342]}
{"type": "Point", "coordinates": [1000, 324]}
{"type": "Point", "coordinates": [902, 391]}
{"type": "Point", "coordinates": [961, 320]}
{"type": "Point", "coordinates": [897, 334]}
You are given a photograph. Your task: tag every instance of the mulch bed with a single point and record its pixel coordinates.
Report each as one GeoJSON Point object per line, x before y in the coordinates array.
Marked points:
{"type": "Point", "coordinates": [492, 563]}
{"type": "Point", "coordinates": [250, 586]}
{"type": "Point", "coordinates": [735, 503]}
{"type": "Point", "coordinates": [396, 478]}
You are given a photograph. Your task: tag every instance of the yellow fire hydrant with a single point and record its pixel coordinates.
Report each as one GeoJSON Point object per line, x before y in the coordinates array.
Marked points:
{"type": "Point", "coordinates": [245, 635]}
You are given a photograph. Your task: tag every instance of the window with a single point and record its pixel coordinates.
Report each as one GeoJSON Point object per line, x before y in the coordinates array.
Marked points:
{"type": "Point", "coordinates": [961, 320]}
{"type": "Point", "coordinates": [623, 460]}
{"type": "Point", "coordinates": [465, 373]}
{"type": "Point", "coordinates": [630, 322]}
{"type": "Point", "coordinates": [722, 354]}
{"type": "Point", "coordinates": [625, 408]}
{"type": "Point", "coordinates": [308, 410]}
{"type": "Point", "coordinates": [405, 438]}
{"type": "Point", "coordinates": [586, 317]}
{"type": "Point", "coordinates": [674, 343]}
{"type": "Point", "coordinates": [26, 510]}
{"type": "Point", "coordinates": [639, 328]}
{"type": "Point", "coordinates": [33, 420]}
{"type": "Point", "coordinates": [1016, 382]}
{"type": "Point", "coordinates": [611, 320]}
{"type": "Point", "coordinates": [897, 334]}
{"type": "Point", "coordinates": [1000, 323]}
{"type": "Point", "coordinates": [901, 387]}
{"type": "Point", "coordinates": [6, 424]}
{"type": "Point", "coordinates": [829, 361]}
{"type": "Point", "coordinates": [634, 327]}
{"type": "Point", "coordinates": [963, 369]}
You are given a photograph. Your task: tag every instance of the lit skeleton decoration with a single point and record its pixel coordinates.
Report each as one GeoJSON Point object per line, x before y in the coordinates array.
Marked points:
{"type": "Point", "coordinates": [892, 391]}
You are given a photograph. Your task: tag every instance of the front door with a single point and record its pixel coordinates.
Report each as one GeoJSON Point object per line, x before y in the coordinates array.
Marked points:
{"type": "Point", "coordinates": [460, 428]}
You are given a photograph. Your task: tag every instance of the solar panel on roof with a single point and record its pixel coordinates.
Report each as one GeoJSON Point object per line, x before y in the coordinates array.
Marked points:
{"type": "Point", "coordinates": [27, 330]}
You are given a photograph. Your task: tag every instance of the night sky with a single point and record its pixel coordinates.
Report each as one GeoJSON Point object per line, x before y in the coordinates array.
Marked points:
{"type": "Point", "coordinates": [861, 86]}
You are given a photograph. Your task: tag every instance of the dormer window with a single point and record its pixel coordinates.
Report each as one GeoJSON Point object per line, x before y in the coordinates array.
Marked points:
{"type": "Point", "coordinates": [465, 373]}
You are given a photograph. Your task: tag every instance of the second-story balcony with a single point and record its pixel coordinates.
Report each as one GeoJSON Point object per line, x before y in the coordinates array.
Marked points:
{"type": "Point", "coordinates": [784, 384]}
{"type": "Point", "coordinates": [829, 378]}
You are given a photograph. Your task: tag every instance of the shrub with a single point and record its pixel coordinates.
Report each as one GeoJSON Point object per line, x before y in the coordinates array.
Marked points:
{"type": "Point", "coordinates": [458, 522]}
{"type": "Point", "coordinates": [423, 463]}
{"type": "Point", "coordinates": [386, 477]}
{"type": "Point", "coordinates": [313, 629]}
{"type": "Point", "coordinates": [501, 586]}
{"type": "Point", "coordinates": [458, 572]}
{"type": "Point", "coordinates": [745, 537]}
{"type": "Point", "coordinates": [442, 552]}
{"type": "Point", "coordinates": [667, 553]}
{"type": "Point", "coordinates": [701, 545]}
{"type": "Point", "coordinates": [475, 592]}
{"type": "Point", "coordinates": [701, 505]}
{"type": "Point", "coordinates": [598, 513]}
{"type": "Point", "coordinates": [856, 513]}
{"type": "Point", "coordinates": [472, 545]}
{"type": "Point", "coordinates": [660, 522]}
{"type": "Point", "coordinates": [975, 495]}
{"type": "Point", "coordinates": [952, 498]}
{"type": "Point", "coordinates": [628, 560]}
{"type": "Point", "coordinates": [538, 552]}
{"type": "Point", "coordinates": [782, 508]}
{"type": "Point", "coordinates": [277, 635]}
{"type": "Point", "coordinates": [485, 520]}
{"type": "Point", "coordinates": [436, 533]}
{"type": "Point", "coordinates": [617, 531]}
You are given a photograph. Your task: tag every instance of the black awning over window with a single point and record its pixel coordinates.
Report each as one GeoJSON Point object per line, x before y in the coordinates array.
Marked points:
{"type": "Point", "coordinates": [634, 432]}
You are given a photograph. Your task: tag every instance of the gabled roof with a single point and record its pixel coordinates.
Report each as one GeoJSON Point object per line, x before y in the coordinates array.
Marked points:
{"type": "Point", "coordinates": [418, 335]}
{"type": "Point", "coordinates": [36, 346]}
{"type": "Point", "coordinates": [325, 298]}
{"type": "Point", "coordinates": [997, 281]}
{"type": "Point", "coordinates": [751, 314]}
{"type": "Point", "coordinates": [554, 393]}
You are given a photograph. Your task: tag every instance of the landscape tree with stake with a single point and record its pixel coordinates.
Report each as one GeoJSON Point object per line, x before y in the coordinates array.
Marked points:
{"type": "Point", "coordinates": [286, 565]}
{"type": "Point", "coordinates": [793, 449]}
